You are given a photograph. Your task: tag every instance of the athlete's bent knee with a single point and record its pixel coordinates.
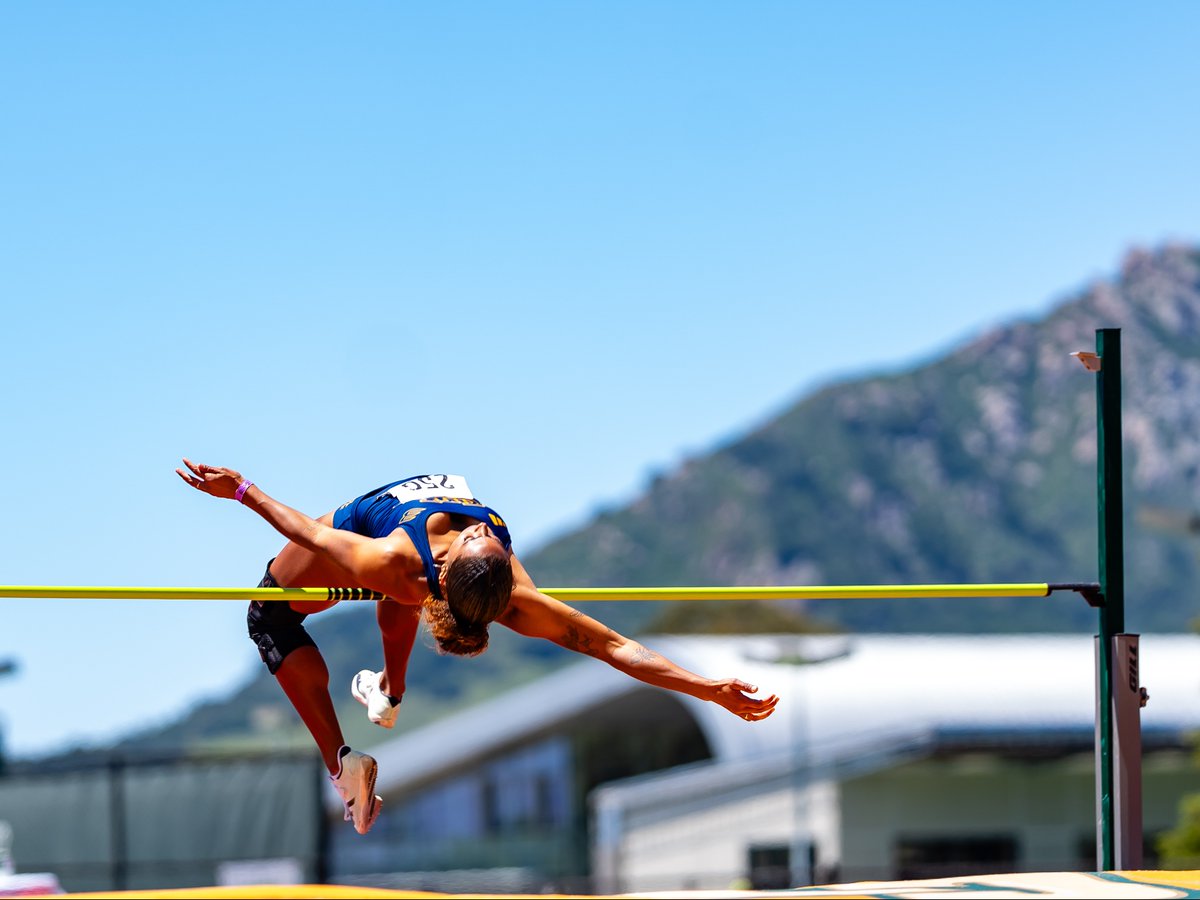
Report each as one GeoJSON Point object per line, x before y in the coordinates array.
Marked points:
{"type": "Point", "coordinates": [275, 627]}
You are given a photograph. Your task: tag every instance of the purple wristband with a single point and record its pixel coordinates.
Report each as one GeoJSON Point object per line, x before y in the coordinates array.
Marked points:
{"type": "Point", "coordinates": [241, 491]}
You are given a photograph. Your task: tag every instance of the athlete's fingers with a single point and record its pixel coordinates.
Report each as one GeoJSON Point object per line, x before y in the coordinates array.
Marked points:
{"type": "Point", "coordinates": [762, 712]}
{"type": "Point", "coordinates": [744, 690]}
{"type": "Point", "coordinates": [188, 478]}
{"type": "Point", "coordinates": [196, 476]}
{"type": "Point", "coordinates": [755, 707]}
{"type": "Point", "coordinates": [757, 716]}
{"type": "Point", "coordinates": [203, 470]}
{"type": "Point", "coordinates": [734, 695]}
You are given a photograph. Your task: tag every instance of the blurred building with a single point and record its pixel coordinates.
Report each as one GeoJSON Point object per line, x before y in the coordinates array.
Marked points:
{"type": "Point", "coordinates": [141, 821]}
{"type": "Point", "coordinates": [889, 757]}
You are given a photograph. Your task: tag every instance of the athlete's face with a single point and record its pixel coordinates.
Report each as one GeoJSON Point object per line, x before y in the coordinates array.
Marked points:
{"type": "Point", "coordinates": [478, 540]}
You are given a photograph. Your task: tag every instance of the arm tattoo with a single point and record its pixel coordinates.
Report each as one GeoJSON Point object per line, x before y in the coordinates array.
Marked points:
{"type": "Point", "coordinates": [642, 655]}
{"type": "Point", "coordinates": [580, 643]}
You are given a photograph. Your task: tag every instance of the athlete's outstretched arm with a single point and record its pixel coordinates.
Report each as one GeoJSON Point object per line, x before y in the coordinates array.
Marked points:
{"type": "Point", "coordinates": [367, 560]}
{"type": "Point", "coordinates": [534, 614]}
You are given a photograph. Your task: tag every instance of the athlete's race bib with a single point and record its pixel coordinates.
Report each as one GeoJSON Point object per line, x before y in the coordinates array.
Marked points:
{"type": "Point", "coordinates": [426, 487]}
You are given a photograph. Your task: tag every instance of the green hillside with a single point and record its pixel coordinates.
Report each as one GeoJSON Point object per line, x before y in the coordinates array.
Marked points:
{"type": "Point", "coordinates": [976, 466]}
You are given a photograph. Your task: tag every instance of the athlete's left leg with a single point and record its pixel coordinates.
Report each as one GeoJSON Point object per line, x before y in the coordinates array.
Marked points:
{"type": "Point", "coordinates": [398, 623]}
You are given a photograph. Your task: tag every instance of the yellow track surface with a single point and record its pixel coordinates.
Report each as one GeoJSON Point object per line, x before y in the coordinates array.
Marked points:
{"type": "Point", "coordinates": [1025, 886]}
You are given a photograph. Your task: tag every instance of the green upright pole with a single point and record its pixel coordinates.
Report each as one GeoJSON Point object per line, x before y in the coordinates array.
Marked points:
{"type": "Point", "coordinates": [1112, 565]}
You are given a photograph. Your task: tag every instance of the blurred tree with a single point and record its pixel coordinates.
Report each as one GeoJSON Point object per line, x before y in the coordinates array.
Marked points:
{"type": "Point", "coordinates": [1179, 848]}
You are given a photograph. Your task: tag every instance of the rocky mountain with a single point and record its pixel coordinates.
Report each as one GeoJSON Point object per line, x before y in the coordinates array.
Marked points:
{"type": "Point", "coordinates": [978, 466]}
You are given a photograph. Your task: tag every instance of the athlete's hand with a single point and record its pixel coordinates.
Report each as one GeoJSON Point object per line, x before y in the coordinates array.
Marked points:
{"type": "Point", "coordinates": [732, 694]}
{"type": "Point", "coordinates": [214, 480]}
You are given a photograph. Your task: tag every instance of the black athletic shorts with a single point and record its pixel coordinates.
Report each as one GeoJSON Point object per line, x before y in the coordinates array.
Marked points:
{"type": "Point", "coordinates": [275, 627]}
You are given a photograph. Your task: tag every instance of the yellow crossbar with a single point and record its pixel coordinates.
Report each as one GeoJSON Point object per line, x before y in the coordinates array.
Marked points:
{"type": "Point", "coordinates": [80, 592]}
{"type": "Point", "coordinates": [567, 595]}
{"type": "Point", "coordinates": [805, 592]}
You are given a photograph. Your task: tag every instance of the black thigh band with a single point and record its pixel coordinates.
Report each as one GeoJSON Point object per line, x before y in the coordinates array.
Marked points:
{"type": "Point", "coordinates": [275, 627]}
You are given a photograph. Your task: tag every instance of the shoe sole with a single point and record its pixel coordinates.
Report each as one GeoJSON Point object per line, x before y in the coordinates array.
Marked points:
{"type": "Point", "coordinates": [366, 786]}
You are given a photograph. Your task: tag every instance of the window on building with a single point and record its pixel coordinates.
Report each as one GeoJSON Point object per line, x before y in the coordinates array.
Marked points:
{"type": "Point", "coordinates": [489, 803]}
{"type": "Point", "coordinates": [543, 801]}
{"type": "Point", "coordinates": [947, 856]}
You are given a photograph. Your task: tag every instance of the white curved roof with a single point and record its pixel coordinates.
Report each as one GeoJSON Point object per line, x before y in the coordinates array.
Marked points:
{"type": "Point", "coordinates": [866, 688]}
{"type": "Point", "coordinates": [877, 684]}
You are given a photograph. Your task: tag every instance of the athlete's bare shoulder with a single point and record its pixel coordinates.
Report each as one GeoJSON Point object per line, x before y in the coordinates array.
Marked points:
{"type": "Point", "coordinates": [400, 551]}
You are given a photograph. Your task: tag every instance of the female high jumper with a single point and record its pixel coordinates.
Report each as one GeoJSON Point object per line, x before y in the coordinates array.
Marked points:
{"type": "Point", "coordinates": [431, 549]}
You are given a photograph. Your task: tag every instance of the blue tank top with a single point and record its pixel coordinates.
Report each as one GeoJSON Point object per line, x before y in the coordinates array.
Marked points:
{"type": "Point", "coordinates": [408, 504]}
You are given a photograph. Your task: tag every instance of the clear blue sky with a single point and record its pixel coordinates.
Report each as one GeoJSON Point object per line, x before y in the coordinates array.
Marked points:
{"type": "Point", "coordinates": [555, 246]}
